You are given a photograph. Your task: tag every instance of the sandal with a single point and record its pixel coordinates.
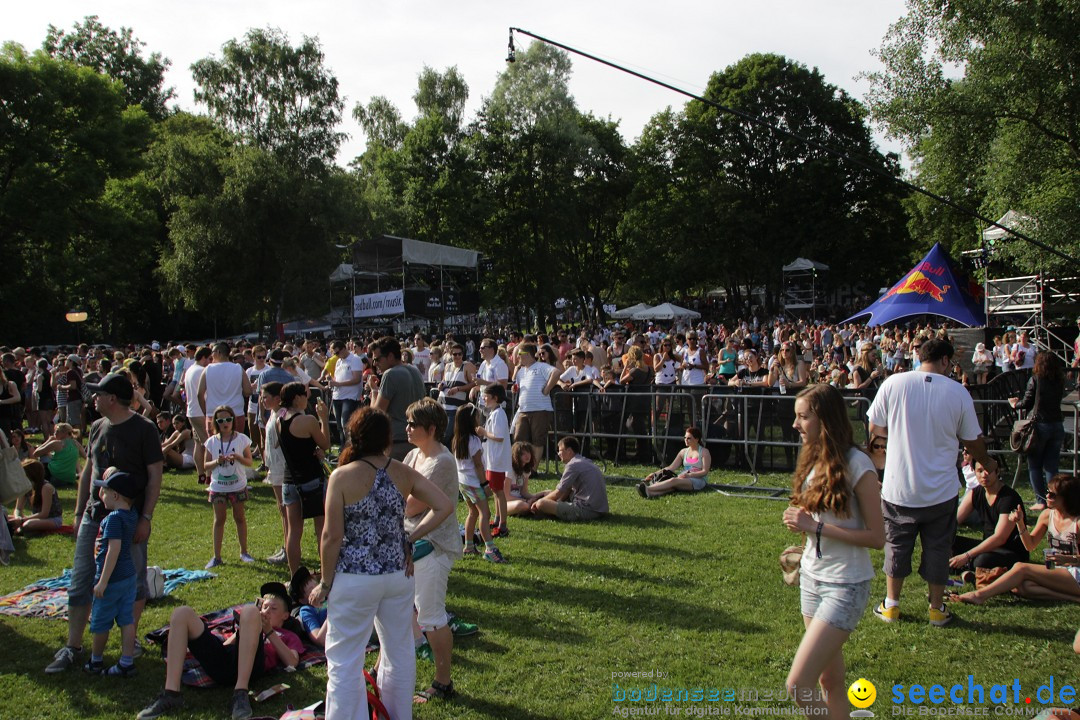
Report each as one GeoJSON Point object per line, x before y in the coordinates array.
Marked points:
{"type": "Point", "coordinates": [437, 691]}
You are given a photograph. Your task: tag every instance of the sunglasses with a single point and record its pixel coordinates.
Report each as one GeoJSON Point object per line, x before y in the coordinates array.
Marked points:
{"type": "Point", "coordinates": [260, 357]}
{"type": "Point", "coordinates": [411, 424]}
{"type": "Point", "coordinates": [877, 447]}
{"type": "Point", "coordinates": [1050, 494]}
{"type": "Point", "coordinates": [457, 354]}
{"type": "Point", "coordinates": [223, 420]}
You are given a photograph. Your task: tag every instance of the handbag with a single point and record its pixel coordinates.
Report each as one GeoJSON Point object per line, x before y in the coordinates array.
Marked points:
{"type": "Point", "coordinates": [13, 481]}
{"type": "Point", "coordinates": [1024, 438]}
{"type": "Point", "coordinates": [791, 562]}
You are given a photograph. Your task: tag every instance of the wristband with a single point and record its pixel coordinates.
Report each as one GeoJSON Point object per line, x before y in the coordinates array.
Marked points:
{"type": "Point", "coordinates": [324, 586]}
{"type": "Point", "coordinates": [820, 525]}
{"type": "Point", "coordinates": [148, 518]}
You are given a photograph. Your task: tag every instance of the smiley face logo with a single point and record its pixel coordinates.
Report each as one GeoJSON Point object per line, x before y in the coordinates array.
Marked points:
{"type": "Point", "coordinates": [862, 693]}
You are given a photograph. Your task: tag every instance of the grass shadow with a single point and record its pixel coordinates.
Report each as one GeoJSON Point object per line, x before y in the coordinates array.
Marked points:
{"type": "Point", "coordinates": [619, 546]}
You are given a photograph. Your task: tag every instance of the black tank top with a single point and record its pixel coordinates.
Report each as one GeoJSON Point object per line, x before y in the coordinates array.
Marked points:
{"type": "Point", "coordinates": [301, 463]}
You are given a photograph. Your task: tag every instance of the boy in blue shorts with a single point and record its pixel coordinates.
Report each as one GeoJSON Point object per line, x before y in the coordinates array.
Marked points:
{"type": "Point", "coordinates": [114, 588]}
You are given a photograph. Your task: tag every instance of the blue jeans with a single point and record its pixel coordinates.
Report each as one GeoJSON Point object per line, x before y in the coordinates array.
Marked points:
{"type": "Point", "coordinates": [1043, 463]}
{"type": "Point", "coordinates": [344, 410]}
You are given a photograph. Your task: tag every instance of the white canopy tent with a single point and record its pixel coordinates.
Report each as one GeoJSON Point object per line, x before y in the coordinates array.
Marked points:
{"type": "Point", "coordinates": [628, 312]}
{"type": "Point", "coordinates": [666, 311]}
{"type": "Point", "coordinates": [1011, 219]}
{"type": "Point", "coordinates": [804, 264]}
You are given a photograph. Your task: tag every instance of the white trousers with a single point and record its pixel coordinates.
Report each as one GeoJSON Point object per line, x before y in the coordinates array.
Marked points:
{"type": "Point", "coordinates": [357, 602]}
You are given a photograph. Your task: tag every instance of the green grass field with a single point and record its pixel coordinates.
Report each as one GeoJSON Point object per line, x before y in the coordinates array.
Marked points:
{"type": "Point", "coordinates": [686, 585]}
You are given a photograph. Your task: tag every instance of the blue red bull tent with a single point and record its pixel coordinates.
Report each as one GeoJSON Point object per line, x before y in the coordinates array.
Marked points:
{"type": "Point", "coordinates": [935, 286]}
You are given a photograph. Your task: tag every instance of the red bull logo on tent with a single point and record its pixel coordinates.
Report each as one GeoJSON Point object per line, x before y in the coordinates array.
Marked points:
{"type": "Point", "coordinates": [919, 281]}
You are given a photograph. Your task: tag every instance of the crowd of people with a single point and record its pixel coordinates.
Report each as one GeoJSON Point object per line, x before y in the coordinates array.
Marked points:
{"type": "Point", "coordinates": [418, 424]}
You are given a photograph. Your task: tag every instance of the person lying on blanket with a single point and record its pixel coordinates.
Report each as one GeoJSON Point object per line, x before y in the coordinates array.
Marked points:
{"type": "Point", "coordinates": [312, 618]}
{"type": "Point", "coordinates": [260, 644]}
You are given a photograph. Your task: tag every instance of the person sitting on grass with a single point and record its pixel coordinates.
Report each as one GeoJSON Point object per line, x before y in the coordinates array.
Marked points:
{"type": "Point", "coordinates": [581, 493]}
{"type": "Point", "coordinates": [63, 452]}
{"type": "Point", "coordinates": [522, 466]}
{"type": "Point", "coordinates": [259, 645]}
{"type": "Point", "coordinates": [114, 589]}
{"type": "Point", "coordinates": [179, 447]}
{"type": "Point", "coordinates": [687, 472]}
{"type": "Point", "coordinates": [46, 513]}
{"type": "Point", "coordinates": [992, 503]}
{"type": "Point", "coordinates": [228, 453]}
{"type": "Point", "coordinates": [1059, 523]}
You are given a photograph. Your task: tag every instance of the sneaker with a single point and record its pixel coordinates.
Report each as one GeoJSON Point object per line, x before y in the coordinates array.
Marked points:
{"type": "Point", "coordinates": [214, 562]}
{"type": "Point", "coordinates": [63, 659]}
{"type": "Point", "coordinates": [122, 671]}
{"type": "Point", "coordinates": [278, 558]}
{"type": "Point", "coordinates": [940, 618]}
{"type": "Point", "coordinates": [460, 628]}
{"type": "Point", "coordinates": [240, 706]}
{"type": "Point", "coordinates": [887, 614]}
{"type": "Point", "coordinates": [94, 667]}
{"type": "Point", "coordinates": [423, 652]}
{"type": "Point", "coordinates": [493, 555]}
{"type": "Point", "coordinates": [641, 490]}
{"type": "Point", "coordinates": [164, 704]}
{"type": "Point", "coordinates": [244, 557]}
{"type": "Point", "coordinates": [470, 550]}
{"type": "Point", "coordinates": [500, 532]}
{"type": "Point", "coordinates": [138, 652]}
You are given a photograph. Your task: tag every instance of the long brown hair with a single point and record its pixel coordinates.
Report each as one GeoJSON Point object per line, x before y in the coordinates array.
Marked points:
{"type": "Point", "coordinates": [1048, 368]}
{"type": "Point", "coordinates": [464, 430]}
{"type": "Point", "coordinates": [826, 456]}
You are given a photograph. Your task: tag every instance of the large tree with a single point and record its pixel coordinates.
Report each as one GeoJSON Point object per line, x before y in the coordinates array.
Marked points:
{"type": "Point", "coordinates": [74, 224]}
{"type": "Point", "coordinates": [985, 96]}
{"type": "Point", "coordinates": [117, 55]}
{"type": "Point", "coordinates": [555, 184]}
{"type": "Point", "coordinates": [730, 201]}
{"type": "Point", "coordinates": [276, 96]}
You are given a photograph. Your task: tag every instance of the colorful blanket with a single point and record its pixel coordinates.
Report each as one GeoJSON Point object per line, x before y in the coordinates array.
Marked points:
{"type": "Point", "coordinates": [222, 623]}
{"type": "Point", "coordinates": [47, 598]}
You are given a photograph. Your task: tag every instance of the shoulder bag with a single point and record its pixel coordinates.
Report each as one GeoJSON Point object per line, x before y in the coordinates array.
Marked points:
{"type": "Point", "coordinates": [1024, 438]}
{"type": "Point", "coordinates": [13, 481]}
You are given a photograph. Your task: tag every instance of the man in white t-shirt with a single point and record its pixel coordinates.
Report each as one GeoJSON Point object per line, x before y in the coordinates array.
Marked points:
{"type": "Point", "coordinates": [926, 416]}
{"type": "Point", "coordinates": [492, 370]}
{"type": "Point", "coordinates": [224, 383]}
{"type": "Point", "coordinates": [421, 355]}
{"type": "Point", "coordinates": [347, 384]}
{"type": "Point", "coordinates": [535, 380]}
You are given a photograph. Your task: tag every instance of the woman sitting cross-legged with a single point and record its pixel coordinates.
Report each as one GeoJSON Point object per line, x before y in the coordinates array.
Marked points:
{"type": "Point", "coordinates": [992, 504]}
{"type": "Point", "coordinates": [688, 470]}
{"type": "Point", "coordinates": [1058, 522]}
{"type": "Point", "coordinates": [260, 644]}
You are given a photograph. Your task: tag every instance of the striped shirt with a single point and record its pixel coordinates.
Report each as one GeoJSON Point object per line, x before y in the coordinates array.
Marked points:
{"type": "Point", "coordinates": [531, 382]}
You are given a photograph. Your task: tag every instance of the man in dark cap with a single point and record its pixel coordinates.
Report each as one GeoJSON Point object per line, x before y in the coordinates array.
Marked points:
{"type": "Point", "coordinates": [130, 443]}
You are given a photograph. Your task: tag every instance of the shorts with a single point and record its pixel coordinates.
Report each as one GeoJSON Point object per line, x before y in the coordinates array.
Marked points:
{"type": "Point", "coordinates": [574, 513]}
{"type": "Point", "coordinates": [276, 478]}
{"type": "Point", "coordinates": [935, 526]}
{"type": "Point", "coordinates": [187, 461]}
{"type": "Point", "coordinates": [198, 429]}
{"type": "Point", "coordinates": [219, 660]}
{"type": "Point", "coordinates": [515, 491]}
{"type": "Point", "coordinates": [474, 495]}
{"type": "Point", "coordinates": [698, 483]}
{"type": "Point", "coordinates": [430, 574]}
{"type": "Point", "coordinates": [84, 569]}
{"type": "Point", "coordinates": [291, 492]}
{"type": "Point", "coordinates": [838, 604]}
{"type": "Point", "coordinates": [496, 480]}
{"type": "Point", "coordinates": [233, 498]}
{"type": "Point", "coordinates": [116, 605]}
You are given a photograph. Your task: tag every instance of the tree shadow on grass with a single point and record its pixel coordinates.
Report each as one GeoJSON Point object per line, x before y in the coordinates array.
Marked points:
{"type": "Point", "coordinates": [607, 571]}
{"type": "Point", "coordinates": [487, 707]}
{"type": "Point", "coordinates": [1047, 633]}
{"type": "Point", "coordinates": [635, 548]}
{"type": "Point", "coordinates": [665, 611]}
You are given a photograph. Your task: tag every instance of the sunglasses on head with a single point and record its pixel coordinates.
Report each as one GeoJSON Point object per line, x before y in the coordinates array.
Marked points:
{"type": "Point", "coordinates": [223, 420]}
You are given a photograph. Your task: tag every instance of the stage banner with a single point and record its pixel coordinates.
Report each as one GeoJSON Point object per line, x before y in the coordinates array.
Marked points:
{"type": "Point", "coordinates": [379, 304]}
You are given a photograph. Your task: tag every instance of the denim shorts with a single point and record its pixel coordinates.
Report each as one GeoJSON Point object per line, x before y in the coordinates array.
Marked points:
{"type": "Point", "coordinates": [838, 604]}
{"type": "Point", "coordinates": [290, 492]}
{"type": "Point", "coordinates": [116, 605]}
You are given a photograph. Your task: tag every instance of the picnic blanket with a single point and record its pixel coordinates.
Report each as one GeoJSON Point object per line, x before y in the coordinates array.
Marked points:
{"type": "Point", "coordinates": [223, 624]}
{"type": "Point", "coordinates": [47, 598]}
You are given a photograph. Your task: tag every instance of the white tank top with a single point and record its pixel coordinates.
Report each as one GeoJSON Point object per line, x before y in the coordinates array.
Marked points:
{"type": "Point", "coordinates": [224, 386]}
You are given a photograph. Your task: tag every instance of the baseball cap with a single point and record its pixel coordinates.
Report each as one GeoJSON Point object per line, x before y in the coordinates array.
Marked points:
{"type": "Point", "coordinates": [276, 356]}
{"type": "Point", "coordinates": [75, 359]}
{"type": "Point", "coordinates": [181, 348]}
{"type": "Point", "coordinates": [114, 384]}
{"type": "Point", "coordinates": [155, 345]}
{"type": "Point", "coordinates": [296, 585]}
{"type": "Point", "coordinates": [124, 484]}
